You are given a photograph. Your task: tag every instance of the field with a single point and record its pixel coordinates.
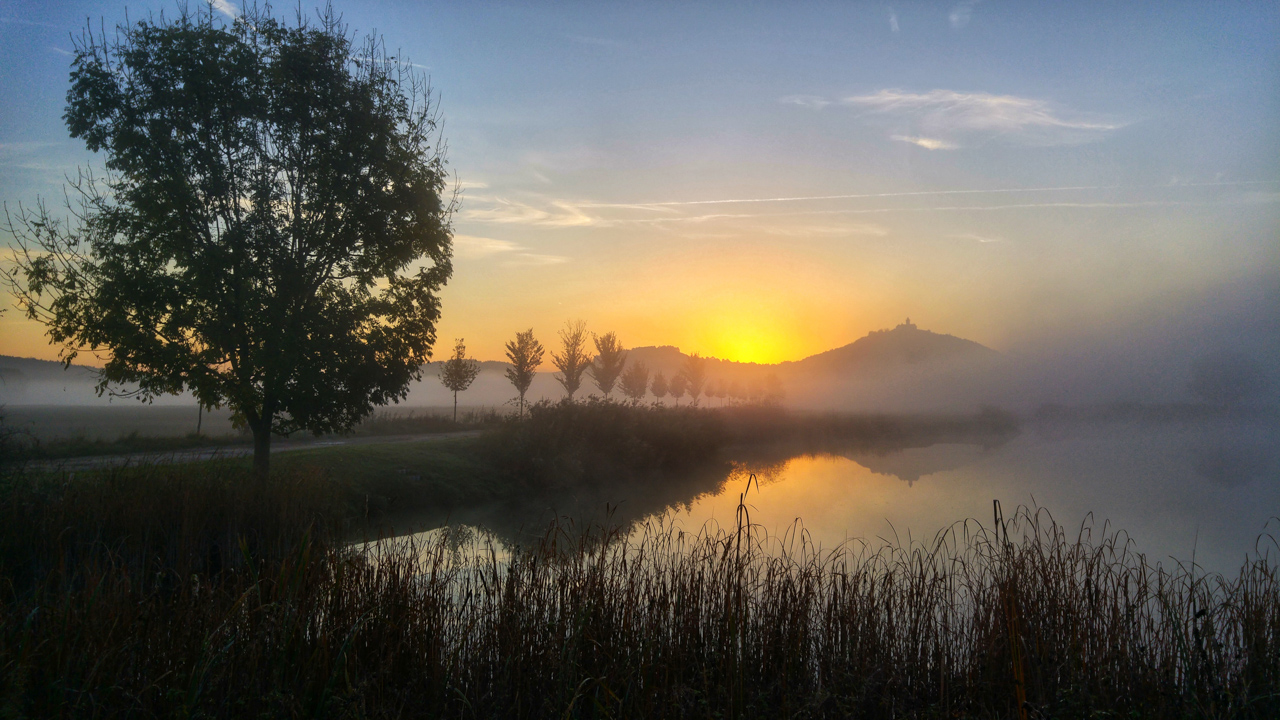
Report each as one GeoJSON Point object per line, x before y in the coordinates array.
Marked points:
{"type": "Point", "coordinates": [201, 590]}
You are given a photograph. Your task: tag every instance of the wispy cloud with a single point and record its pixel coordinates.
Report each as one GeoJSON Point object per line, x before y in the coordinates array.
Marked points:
{"type": "Point", "coordinates": [924, 142]}
{"type": "Point", "coordinates": [534, 260]}
{"type": "Point", "coordinates": [60, 51]}
{"type": "Point", "coordinates": [471, 247]}
{"type": "Point", "coordinates": [510, 254]}
{"type": "Point", "coordinates": [977, 238]}
{"type": "Point", "coordinates": [962, 13]}
{"type": "Point", "coordinates": [810, 101]}
{"type": "Point", "coordinates": [552, 213]}
{"type": "Point", "coordinates": [948, 118]}
{"type": "Point", "coordinates": [893, 21]}
{"type": "Point", "coordinates": [226, 8]}
{"type": "Point", "coordinates": [684, 214]}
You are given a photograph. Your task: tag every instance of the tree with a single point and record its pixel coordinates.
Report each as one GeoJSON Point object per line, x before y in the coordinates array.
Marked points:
{"type": "Point", "coordinates": [525, 354]}
{"type": "Point", "coordinates": [610, 360]}
{"type": "Point", "coordinates": [635, 381]}
{"type": "Point", "coordinates": [694, 373]}
{"type": "Point", "coordinates": [572, 360]}
{"type": "Point", "coordinates": [458, 372]}
{"type": "Point", "coordinates": [677, 386]}
{"type": "Point", "coordinates": [659, 387]}
{"type": "Point", "coordinates": [272, 230]}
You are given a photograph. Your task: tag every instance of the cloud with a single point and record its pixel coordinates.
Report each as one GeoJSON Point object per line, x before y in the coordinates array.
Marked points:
{"type": "Point", "coordinates": [893, 21]}
{"type": "Point", "coordinates": [809, 101]}
{"type": "Point", "coordinates": [926, 143]}
{"type": "Point", "coordinates": [553, 213]}
{"type": "Point", "coordinates": [471, 247]}
{"type": "Point", "coordinates": [948, 116]}
{"type": "Point", "coordinates": [226, 8]}
{"type": "Point", "coordinates": [60, 51]}
{"type": "Point", "coordinates": [534, 260]}
{"type": "Point", "coordinates": [962, 13]}
{"type": "Point", "coordinates": [511, 254]}
{"type": "Point", "coordinates": [977, 238]}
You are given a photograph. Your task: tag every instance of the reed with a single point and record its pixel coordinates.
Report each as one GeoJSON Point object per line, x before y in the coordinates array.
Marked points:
{"type": "Point", "coordinates": [1019, 617]}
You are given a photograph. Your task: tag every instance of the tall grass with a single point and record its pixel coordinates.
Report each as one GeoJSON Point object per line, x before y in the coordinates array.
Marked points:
{"type": "Point", "coordinates": [1019, 617]}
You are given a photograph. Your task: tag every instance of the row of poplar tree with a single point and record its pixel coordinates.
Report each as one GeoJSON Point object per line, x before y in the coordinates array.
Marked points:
{"type": "Point", "coordinates": [609, 369]}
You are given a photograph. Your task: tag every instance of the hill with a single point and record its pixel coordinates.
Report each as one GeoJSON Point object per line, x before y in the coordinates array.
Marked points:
{"type": "Point", "coordinates": [894, 349]}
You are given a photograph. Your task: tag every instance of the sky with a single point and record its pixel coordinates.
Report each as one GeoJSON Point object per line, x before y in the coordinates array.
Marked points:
{"type": "Point", "coordinates": [765, 181]}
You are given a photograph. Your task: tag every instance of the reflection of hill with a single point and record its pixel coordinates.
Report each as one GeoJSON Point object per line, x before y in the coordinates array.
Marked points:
{"type": "Point", "coordinates": [911, 464]}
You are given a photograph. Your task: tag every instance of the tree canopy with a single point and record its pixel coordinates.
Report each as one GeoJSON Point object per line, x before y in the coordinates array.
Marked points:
{"type": "Point", "coordinates": [458, 372]}
{"type": "Point", "coordinates": [572, 359]}
{"type": "Point", "coordinates": [525, 354]}
{"type": "Point", "coordinates": [635, 381]}
{"type": "Point", "coordinates": [610, 359]}
{"type": "Point", "coordinates": [272, 229]}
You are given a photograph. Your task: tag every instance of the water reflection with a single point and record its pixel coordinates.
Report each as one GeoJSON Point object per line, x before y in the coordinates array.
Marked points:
{"type": "Point", "coordinates": [1180, 491]}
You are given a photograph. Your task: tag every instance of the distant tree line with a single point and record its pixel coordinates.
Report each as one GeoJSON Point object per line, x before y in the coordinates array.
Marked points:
{"type": "Point", "coordinates": [609, 370]}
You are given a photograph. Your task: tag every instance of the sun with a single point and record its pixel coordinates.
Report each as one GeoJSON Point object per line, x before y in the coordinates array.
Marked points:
{"type": "Point", "coordinates": [751, 340]}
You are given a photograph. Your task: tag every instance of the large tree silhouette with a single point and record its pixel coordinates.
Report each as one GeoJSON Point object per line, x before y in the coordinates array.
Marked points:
{"type": "Point", "coordinates": [458, 372]}
{"type": "Point", "coordinates": [525, 354]}
{"type": "Point", "coordinates": [572, 360]}
{"type": "Point", "coordinates": [272, 229]}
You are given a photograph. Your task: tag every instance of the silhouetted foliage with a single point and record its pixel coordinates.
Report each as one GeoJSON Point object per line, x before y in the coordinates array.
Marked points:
{"type": "Point", "coordinates": [572, 360]}
{"type": "Point", "coordinates": [659, 387]}
{"type": "Point", "coordinates": [694, 372]}
{"type": "Point", "coordinates": [609, 362]}
{"type": "Point", "coordinates": [679, 383]}
{"type": "Point", "coordinates": [635, 381]}
{"type": "Point", "coordinates": [525, 354]}
{"type": "Point", "coordinates": [458, 372]}
{"type": "Point", "coordinates": [566, 443]}
{"type": "Point", "coordinates": [272, 191]}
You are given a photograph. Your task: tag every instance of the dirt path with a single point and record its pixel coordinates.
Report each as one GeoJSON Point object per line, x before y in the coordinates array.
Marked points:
{"type": "Point", "coordinates": [197, 454]}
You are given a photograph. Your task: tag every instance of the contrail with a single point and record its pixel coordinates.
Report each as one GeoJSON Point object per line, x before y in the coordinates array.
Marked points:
{"type": "Point", "coordinates": [802, 198]}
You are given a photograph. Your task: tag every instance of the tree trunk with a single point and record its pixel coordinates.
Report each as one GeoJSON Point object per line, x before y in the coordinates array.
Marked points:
{"type": "Point", "coordinates": [262, 449]}
{"type": "Point", "coordinates": [455, 407]}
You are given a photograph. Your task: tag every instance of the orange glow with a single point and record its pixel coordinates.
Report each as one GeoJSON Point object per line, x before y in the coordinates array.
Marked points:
{"type": "Point", "coordinates": [750, 340]}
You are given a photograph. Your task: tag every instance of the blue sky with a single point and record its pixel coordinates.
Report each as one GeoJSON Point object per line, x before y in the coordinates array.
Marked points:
{"type": "Point", "coordinates": [767, 180]}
